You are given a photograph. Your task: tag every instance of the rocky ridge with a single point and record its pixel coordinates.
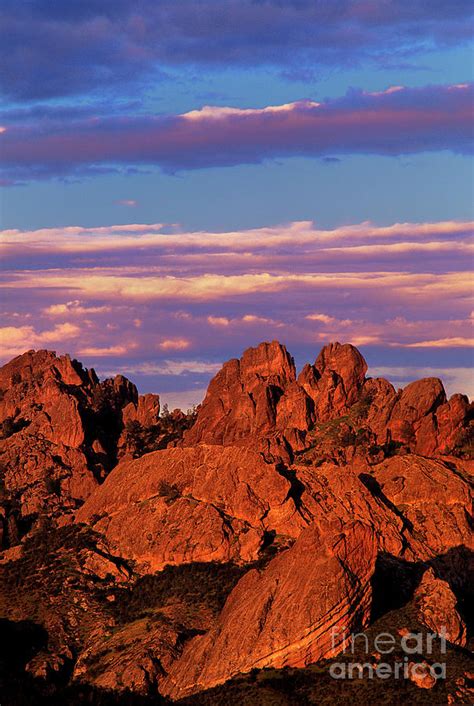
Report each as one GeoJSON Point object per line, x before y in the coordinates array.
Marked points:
{"type": "Point", "coordinates": [327, 499]}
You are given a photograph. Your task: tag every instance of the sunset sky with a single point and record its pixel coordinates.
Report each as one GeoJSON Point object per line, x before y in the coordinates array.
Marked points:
{"type": "Point", "coordinates": [183, 179]}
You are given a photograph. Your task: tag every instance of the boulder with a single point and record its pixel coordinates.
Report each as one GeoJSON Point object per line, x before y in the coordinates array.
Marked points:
{"type": "Point", "coordinates": [203, 503]}
{"type": "Point", "coordinates": [293, 613]}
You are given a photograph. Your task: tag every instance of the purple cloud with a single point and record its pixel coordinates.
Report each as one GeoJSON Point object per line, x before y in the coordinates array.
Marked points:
{"type": "Point", "coordinates": [392, 122]}
{"type": "Point", "coordinates": [53, 48]}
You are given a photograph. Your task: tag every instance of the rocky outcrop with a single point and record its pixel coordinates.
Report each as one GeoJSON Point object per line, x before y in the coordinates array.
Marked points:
{"type": "Point", "coordinates": [205, 503]}
{"type": "Point", "coordinates": [432, 496]}
{"type": "Point", "coordinates": [436, 607]}
{"type": "Point", "coordinates": [258, 401]}
{"type": "Point", "coordinates": [59, 432]}
{"type": "Point", "coordinates": [293, 613]}
{"type": "Point", "coordinates": [130, 658]}
{"type": "Point", "coordinates": [335, 381]}
{"type": "Point", "coordinates": [254, 401]}
{"type": "Point", "coordinates": [145, 411]}
{"type": "Point", "coordinates": [307, 498]}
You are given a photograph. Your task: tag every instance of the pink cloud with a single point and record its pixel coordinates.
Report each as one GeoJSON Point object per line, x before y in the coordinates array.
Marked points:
{"type": "Point", "coordinates": [131, 203]}
{"type": "Point", "coordinates": [391, 122]}
{"type": "Point", "coordinates": [174, 344]}
{"type": "Point", "coordinates": [98, 352]}
{"type": "Point", "coordinates": [16, 339]}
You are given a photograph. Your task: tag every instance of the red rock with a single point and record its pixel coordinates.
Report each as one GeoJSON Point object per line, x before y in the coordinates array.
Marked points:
{"type": "Point", "coordinates": [452, 420]}
{"type": "Point", "coordinates": [412, 418]}
{"type": "Point", "coordinates": [60, 429]}
{"type": "Point", "coordinates": [335, 381]}
{"type": "Point", "coordinates": [129, 658]}
{"type": "Point", "coordinates": [252, 470]}
{"type": "Point", "coordinates": [253, 400]}
{"type": "Point", "coordinates": [349, 366]}
{"type": "Point", "coordinates": [420, 673]}
{"type": "Point", "coordinates": [381, 398]}
{"type": "Point", "coordinates": [146, 410]}
{"type": "Point", "coordinates": [286, 614]}
{"type": "Point", "coordinates": [434, 499]}
{"type": "Point", "coordinates": [436, 608]}
{"type": "Point", "coordinates": [205, 503]}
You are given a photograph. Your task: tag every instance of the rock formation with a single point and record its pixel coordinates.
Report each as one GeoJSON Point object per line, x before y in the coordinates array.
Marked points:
{"type": "Point", "coordinates": [295, 612]}
{"type": "Point", "coordinates": [204, 503]}
{"type": "Point", "coordinates": [258, 400]}
{"type": "Point", "coordinates": [436, 606]}
{"type": "Point", "coordinates": [309, 505]}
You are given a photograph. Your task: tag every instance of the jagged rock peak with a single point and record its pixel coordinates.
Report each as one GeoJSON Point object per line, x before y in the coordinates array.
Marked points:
{"type": "Point", "coordinates": [345, 360]}
{"type": "Point", "coordinates": [268, 361]}
{"type": "Point", "coordinates": [33, 364]}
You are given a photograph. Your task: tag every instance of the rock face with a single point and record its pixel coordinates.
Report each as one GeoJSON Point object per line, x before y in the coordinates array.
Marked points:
{"type": "Point", "coordinates": [306, 504]}
{"type": "Point", "coordinates": [335, 381]}
{"type": "Point", "coordinates": [258, 401]}
{"type": "Point", "coordinates": [205, 503]}
{"type": "Point", "coordinates": [314, 585]}
{"type": "Point", "coordinates": [254, 400]}
{"type": "Point", "coordinates": [145, 411]}
{"type": "Point", "coordinates": [60, 430]}
{"type": "Point", "coordinates": [436, 606]}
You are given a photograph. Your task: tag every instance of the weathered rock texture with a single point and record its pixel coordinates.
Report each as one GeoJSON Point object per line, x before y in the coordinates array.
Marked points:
{"type": "Point", "coordinates": [258, 401]}
{"type": "Point", "coordinates": [204, 503]}
{"type": "Point", "coordinates": [436, 606]}
{"type": "Point", "coordinates": [62, 431]}
{"type": "Point", "coordinates": [60, 428]}
{"type": "Point", "coordinates": [318, 501]}
{"type": "Point", "coordinates": [294, 613]}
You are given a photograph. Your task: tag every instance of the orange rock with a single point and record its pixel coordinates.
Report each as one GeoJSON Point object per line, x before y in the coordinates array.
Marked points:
{"type": "Point", "coordinates": [436, 608]}
{"type": "Point", "coordinates": [252, 400]}
{"type": "Point", "coordinates": [204, 503]}
{"type": "Point", "coordinates": [412, 418]}
{"type": "Point", "coordinates": [293, 613]}
{"type": "Point", "coordinates": [432, 497]}
{"type": "Point", "coordinates": [452, 420]}
{"type": "Point", "coordinates": [420, 673]}
{"type": "Point", "coordinates": [146, 410]}
{"type": "Point", "coordinates": [59, 431]}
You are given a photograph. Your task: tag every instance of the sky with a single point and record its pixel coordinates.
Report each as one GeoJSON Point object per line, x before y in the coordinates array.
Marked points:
{"type": "Point", "coordinates": [182, 180]}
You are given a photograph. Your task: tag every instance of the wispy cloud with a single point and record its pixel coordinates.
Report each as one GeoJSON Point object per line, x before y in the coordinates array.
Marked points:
{"type": "Point", "coordinates": [118, 293]}
{"type": "Point", "coordinates": [174, 344]}
{"type": "Point", "coordinates": [404, 121]}
{"type": "Point", "coordinates": [164, 367]}
{"type": "Point", "coordinates": [106, 46]}
{"type": "Point", "coordinates": [130, 203]}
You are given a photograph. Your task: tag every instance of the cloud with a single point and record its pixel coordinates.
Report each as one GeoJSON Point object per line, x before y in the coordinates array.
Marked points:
{"type": "Point", "coordinates": [75, 308]}
{"type": "Point", "coordinates": [174, 344]}
{"type": "Point", "coordinates": [130, 203]}
{"type": "Point", "coordinates": [216, 287]}
{"type": "Point", "coordinates": [16, 340]}
{"type": "Point", "coordinates": [405, 121]}
{"type": "Point", "coordinates": [324, 318]}
{"type": "Point", "coordinates": [98, 352]}
{"type": "Point", "coordinates": [131, 289]}
{"type": "Point", "coordinates": [218, 320]}
{"type": "Point", "coordinates": [454, 342]}
{"type": "Point", "coordinates": [165, 367]}
{"type": "Point", "coordinates": [108, 45]}
{"type": "Point", "coordinates": [253, 319]}
{"type": "Point", "coordinates": [360, 240]}
{"type": "Point", "coordinates": [455, 379]}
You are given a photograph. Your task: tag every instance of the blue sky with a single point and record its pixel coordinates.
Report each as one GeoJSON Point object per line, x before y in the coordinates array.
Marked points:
{"type": "Point", "coordinates": [105, 123]}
